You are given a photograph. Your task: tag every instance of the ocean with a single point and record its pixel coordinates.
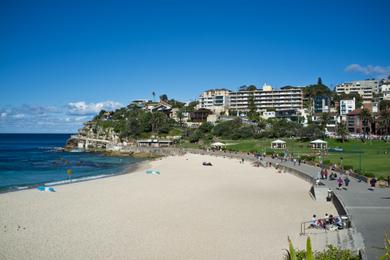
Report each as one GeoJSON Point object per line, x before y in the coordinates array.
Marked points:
{"type": "Point", "coordinates": [29, 160]}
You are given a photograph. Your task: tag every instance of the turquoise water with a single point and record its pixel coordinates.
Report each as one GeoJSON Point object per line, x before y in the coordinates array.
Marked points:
{"type": "Point", "coordinates": [27, 160]}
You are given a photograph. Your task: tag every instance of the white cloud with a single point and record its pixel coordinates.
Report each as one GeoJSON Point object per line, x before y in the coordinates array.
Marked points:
{"type": "Point", "coordinates": [369, 70]}
{"type": "Point", "coordinates": [83, 108]}
{"type": "Point", "coordinates": [38, 119]}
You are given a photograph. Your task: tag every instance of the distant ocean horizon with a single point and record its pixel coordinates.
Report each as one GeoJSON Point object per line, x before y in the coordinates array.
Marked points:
{"type": "Point", "coordinates": [28, 160]}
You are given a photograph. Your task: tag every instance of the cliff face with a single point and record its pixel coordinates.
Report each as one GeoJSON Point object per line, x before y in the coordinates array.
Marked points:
{"type": "Point", "coordinates": [92, 137]}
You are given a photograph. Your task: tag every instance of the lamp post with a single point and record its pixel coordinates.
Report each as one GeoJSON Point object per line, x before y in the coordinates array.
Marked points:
{"type": "Point", "coordinates": [341, 163]}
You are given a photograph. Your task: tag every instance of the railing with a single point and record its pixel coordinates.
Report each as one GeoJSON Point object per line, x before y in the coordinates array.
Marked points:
{"type": "Point", "coordinates": [345, 223]}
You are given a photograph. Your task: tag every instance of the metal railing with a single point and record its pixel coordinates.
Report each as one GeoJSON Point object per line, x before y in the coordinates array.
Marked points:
{"type": "Point", "coordinates": [346, 223]}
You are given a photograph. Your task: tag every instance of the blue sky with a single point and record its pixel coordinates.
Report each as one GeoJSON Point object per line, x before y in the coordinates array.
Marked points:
{"type": "Point", "coordinates": [61, 61]}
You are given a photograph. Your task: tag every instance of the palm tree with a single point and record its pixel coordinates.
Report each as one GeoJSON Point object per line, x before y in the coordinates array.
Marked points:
{"type": "Point", "coordinates": [324, 120]}
{"type": "Point", "coordinates": [154, 95]}
{"type": "Point", "coordinates": [180, 116]}
{"type": "Point", "coordinates": [385, 121]}
{"type": "Point", "coordinates": [342, 131]}
{"type": "Point", "coordinates": [366, 121]}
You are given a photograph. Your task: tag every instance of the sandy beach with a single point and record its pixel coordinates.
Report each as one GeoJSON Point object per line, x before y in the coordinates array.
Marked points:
{"type": "Point", "coordinates": [226, 211]}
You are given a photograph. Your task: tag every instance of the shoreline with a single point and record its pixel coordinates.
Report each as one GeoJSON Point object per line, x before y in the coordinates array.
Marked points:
{"type": "Point", "coordinates": [127, 170]}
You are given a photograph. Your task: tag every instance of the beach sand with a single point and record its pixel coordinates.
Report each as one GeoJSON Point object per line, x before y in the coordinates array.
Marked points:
{"type": "Point", "coordinates": [225, 211]}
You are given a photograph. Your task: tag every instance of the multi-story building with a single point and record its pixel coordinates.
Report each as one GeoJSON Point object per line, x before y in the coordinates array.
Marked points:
{"type": "Point", "coordinates": [346, 106]}
{"type": "Point", "coordinates": [385, 89]}
{"type": "Point", "coordinates": [354, 122]}
{"type": "Point", "coordinates": [267, 99]}
{"type": "Point", "coordinates": [214, 98]}
{"type": "Point", "coordinates": [365, 88]}
{"type": "Point", "coordinates": [321, 104]}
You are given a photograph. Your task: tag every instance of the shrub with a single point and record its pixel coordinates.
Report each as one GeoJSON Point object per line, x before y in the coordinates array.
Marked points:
{"type": "Point", "coordinates": [330, 253]}
{"type": "Point", "coordinates": [195, 136]}
{"type": "Point", "coordinates": [348, 167]}
{"type": "Point", "coordinates": [369, 174]}
{"type": "Point", "coordinates": [326, 162]}
{"type": "Point", "coordinates": [308, 158]}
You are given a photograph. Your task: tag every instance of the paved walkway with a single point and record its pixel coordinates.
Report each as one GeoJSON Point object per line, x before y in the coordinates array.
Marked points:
{"type": "Point", "coordinates": [369, 209]}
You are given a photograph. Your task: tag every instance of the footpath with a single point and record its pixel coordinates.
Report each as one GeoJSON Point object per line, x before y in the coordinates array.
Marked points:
{"type": "Point", "coordinates": [369, 209]}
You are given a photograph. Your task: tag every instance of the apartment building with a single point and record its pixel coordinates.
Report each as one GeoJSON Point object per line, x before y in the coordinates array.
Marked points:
{"type": "Point", "coordinates": [346, 106]}
{"type": "Point", "coordinates": [321, 104]}
{"type": "Point", "coordinates": [267, 99]}
{"type": "Point", "coordinates": [214, 98]}
{"type": "Point", "coordinates": [385, 89]}
{"type": "Point", "coordinates": [365, 88]}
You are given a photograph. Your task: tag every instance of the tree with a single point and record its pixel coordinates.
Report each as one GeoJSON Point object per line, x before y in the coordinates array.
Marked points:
{"type": "Point", "coordinates": [206, 127]}
{"type": "Point", "coordinates": [311, 132]}
{"type": "Point", "coordinates": [154, 95]}
{"type": "Point", "coordinates": [319, 81]}
{"type": "Point", "coordinates": [325, 117]}
{"type": "Point", "coordinates": [384, 121]}
{"type": "Point", "coordinates": [342, 131]}
{"type": "Point", "coordinates": [164, 97]}
{"type": "Point", "coordinates": [251, 88]}
{"type": "Point", "coordinates": [159, 122]}
{"type": "Point", "coordinates": [175, 104]}
{"type": "Point", "coordinates": [191, 106]}
{"type": "Point", "coordinates": [384, 105]}
{"type": "Point", "coordinates": [180, 116]}
{"type": "Point", "coordinates": [252, 114]}
{"type": "Point", "coordinates": [366, 120]}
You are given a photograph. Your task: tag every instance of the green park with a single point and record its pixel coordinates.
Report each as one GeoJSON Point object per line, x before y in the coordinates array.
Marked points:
{"type": "Point", "coordinates": [368, 158]}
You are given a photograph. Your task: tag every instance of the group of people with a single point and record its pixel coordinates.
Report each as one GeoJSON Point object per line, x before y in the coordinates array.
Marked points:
{"type": "Point", "coordinates": [323, 175]}
{"type": "Point", "coordinates": [328, 222]}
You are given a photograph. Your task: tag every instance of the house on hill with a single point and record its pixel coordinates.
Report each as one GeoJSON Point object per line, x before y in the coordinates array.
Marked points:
{"type": "Point", "coordinates": [200, 115]}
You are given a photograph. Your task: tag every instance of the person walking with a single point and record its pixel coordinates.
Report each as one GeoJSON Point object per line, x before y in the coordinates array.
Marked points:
{"type": "Point", "coordinates": [326, 174]}
{"type": "Point", "coordinates": [346, 181]}
{"type": "Point", "coordinates": [340, 182]}
{"type": "Point", "coordinates": [373, 182]}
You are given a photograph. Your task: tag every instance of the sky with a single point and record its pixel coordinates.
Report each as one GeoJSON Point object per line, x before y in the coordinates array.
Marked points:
{"type": "Point", "coordinates": [63, 61]}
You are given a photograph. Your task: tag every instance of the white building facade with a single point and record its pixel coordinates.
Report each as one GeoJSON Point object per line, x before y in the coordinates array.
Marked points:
{"type": "Point", "coordinates": [267, 99]}
{"type": "Point", "coordinates": [365, 88]}
{"type": "Point", "coordinates": [214, 98]}
{"type": "Point", "coordinates": [346, 106]}
{"type": "Point", "coordinates": [385, 89]}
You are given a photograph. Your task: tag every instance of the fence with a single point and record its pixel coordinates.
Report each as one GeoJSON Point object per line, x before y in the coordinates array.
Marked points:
{"type": "Point", "coordinates": [345, 223]}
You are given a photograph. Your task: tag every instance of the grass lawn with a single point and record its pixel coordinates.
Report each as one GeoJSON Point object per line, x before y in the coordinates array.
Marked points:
{"type": "Point", "coordinates": [372, 156]}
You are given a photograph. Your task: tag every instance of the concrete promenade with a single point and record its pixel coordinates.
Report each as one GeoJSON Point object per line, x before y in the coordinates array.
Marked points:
{"type": "Point", "coordinates": [369, 209]}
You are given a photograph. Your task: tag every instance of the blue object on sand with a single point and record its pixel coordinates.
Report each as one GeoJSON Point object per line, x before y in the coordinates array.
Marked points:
{"type": "Point", "coordinates": [153, 172]}
{"type": "Point", "coordinates": [43, 188]}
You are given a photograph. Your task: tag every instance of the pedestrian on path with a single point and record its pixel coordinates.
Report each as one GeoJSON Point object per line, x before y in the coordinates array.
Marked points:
{"type": "Point", "coordinates": [346, 181]}
{"type": "Point", "coordinates": [340, 182]}
{"type": "Point", "coordinates": [373, 182]}
{"type": "Point", "coordinates": [299, 161]}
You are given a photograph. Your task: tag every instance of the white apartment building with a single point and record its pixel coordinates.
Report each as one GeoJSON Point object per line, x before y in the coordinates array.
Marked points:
{"type": "Point", "coordinates": [365, 88]}
{"type": "Point", "coordinates": [385, 89]}
{"type": "Point", "coordinates": [214, 98]}
{"type": "Point", "coordinates": [267, 98]}
{"type": "Point", "coordinates": [346, 106]}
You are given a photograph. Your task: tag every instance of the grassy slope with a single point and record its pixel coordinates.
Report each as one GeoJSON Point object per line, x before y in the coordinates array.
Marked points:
{"type": "Point", "coordinates": [375, 159]}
